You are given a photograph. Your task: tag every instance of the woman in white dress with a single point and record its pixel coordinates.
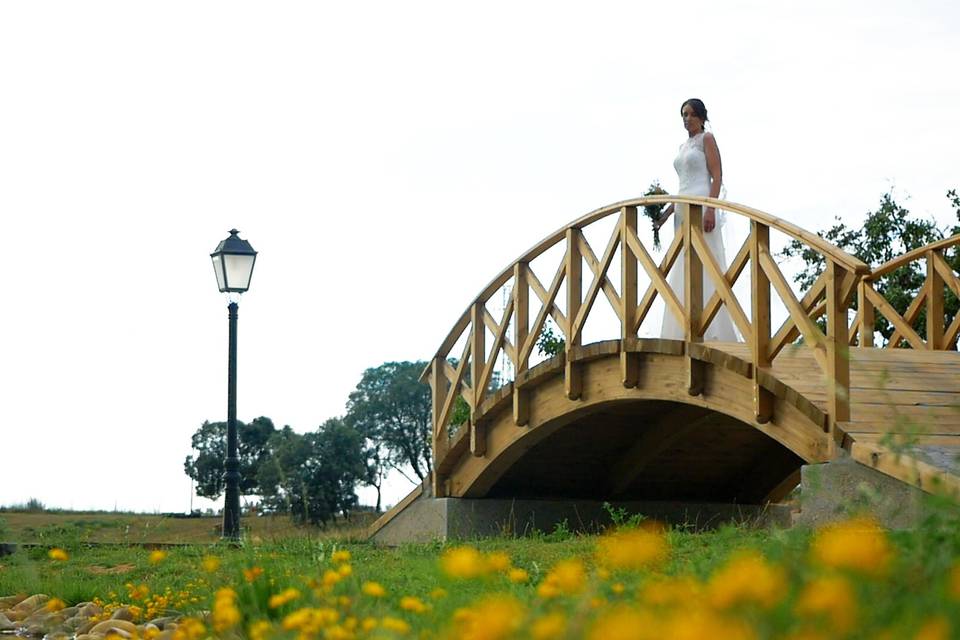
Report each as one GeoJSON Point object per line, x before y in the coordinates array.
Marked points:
{"type": "Point", "coordinates": [699, 168]}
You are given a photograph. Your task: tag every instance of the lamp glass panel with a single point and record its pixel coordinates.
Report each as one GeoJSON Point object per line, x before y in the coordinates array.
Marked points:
{"type": "Point", "coordinates": [238, 270]}
{"type": "Point", "coordinates": [218, 269]}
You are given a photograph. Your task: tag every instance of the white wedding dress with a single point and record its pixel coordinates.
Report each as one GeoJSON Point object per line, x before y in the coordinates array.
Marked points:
{"type": "Point", "coordinates": [691, 166]}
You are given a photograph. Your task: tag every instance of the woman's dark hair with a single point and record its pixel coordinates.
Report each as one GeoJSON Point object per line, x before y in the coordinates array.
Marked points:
{"type": "Point", "coordinates": [699, 109]}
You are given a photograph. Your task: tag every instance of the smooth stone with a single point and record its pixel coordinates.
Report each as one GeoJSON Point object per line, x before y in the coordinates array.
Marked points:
{"type": "Point", "coordinates": [89, 636]}
{"type": "Point", "coordinates": [163, 621]}
{"type": "Point", "coordinates": [106, 625]}
{"type": "Point", "coordinates": [119, 633]}
{"type": "Point", "coordinates": [149, 627]}
{"type": "Point", "coordinates": [85, 625]}
{"type": "Point", "coordinates": [8, 602]}
{"type": "Point", "coordinates": [32, 603]}
{"type": "Point", "coordinates": [166, 634]}
{"type": "Point", "coordinates": [57, 635]}
{"type": "Point", "coordinates": [123, 613]}
{"type": "Point", "coordinates": [90, 609]}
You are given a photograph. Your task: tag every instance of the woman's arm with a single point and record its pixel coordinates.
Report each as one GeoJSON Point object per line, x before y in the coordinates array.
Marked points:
{"type": "Point", "coordinates": [714, 167]}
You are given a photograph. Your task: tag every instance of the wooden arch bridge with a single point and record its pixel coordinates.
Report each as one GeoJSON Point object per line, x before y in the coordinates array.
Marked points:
{"type": "Point", "coordinates": [634, 418]}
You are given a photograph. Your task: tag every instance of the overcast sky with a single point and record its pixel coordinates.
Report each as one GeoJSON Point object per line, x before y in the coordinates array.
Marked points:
{"type": "Point", "coordinates": [386, 160]}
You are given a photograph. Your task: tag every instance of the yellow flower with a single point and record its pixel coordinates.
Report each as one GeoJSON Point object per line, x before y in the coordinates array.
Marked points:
{"type": "Point", "coordinates": [345, 570]}
{"type": "Point", "coordinates": [747, 578]}
{"type": "Point", "coordinates": [157, 556]}
{"type": "Point", "coordinates": [671, 591]}
{"type": "Point", "coordinates": [139, 592]}
{"type": "Point", "coordinates": [626, 624]}
{"type": "Point", "coordinates": [252, 573]}
{"type": "Point", "coordinates": [368, 624]}
{"type": "Point", "coordinates": [287, 595]}
{"type": "Point", "coordinates": [518, 576]}
{"type": "Point", "coordinates": [833, 599]}
{"type": "Point", "coordinates": [330, 578]}
{"type": "Point", "coordinates": [259, 630]}
{"type": "Point", "coordinates": [409, 603]}
{"type": "Point", "coordinates": [549, 627]}
{"type": "Point", "coordinates": [58, 554]}
{"type": "Point", "coordinates": [396, 625]}
{"type": "Point", "coordinates": [340, 556]}
{"type": "Point", "coordinates": [462, 562]}
{"type": "Point", "coordinates": [859, 544]}
{"type": "Point", "coordinates": [55, 604]}
{"type": "Point", "coordinates": [702, 623]}
{"type": "Point", "coordinates": [954, 582]}
{"type": "Point", "coordinates": [567, 577]}
{"type": "Point", "coordinates": [935, 629]}
{"type": "Point", "coordinates": [617, 588]}
{"type": "Point", "coordinates": [438, 593]}
{"type": "Point", "coordinates": [373, 589]}
{"type": "Point", "coordinates": [632, 549]}
{"type": "Point", "coordinates": [494, 618]}
{"type": "Point", "coordinates": [498, 562]}
{"type": "Point", "coordinates": [225, 612]}
{"type": "Point", "coordinates": [211, 563]}
{"type": "Point", "coordinates": [189, 629]}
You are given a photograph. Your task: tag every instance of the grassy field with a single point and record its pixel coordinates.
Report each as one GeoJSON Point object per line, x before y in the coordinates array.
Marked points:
{"type": "Point", "coordinates": [849, 581]}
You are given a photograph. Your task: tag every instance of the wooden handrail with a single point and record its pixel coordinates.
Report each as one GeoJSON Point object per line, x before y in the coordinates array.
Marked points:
{"type": "Point", "coordinates": [916, 254]}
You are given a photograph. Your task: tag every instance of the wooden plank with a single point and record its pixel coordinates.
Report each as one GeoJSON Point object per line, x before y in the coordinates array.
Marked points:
{"type": "Point", "coordinates": [950, 279]}
{"type": "Point", "coordinates": [657, 281]}
{"type": "Point", "coordinates": [498, 343]}
{"type": "Point", "coordinates": [669, 258]}
{"type": "Point", "coordinates": [478, 352]}
{"type": "Point", "coordinates": [591, 259]}
{"type": "Point", "coordinates": [838, 353]}
{"type": "Point", "coordinates": [456, 384]}
{"type": "Point", "coordinates": [572, 374]}
{"type": "Point", "coordinates": [933, 285]}
{"type": "Point", "coordinates": [496, 328]}
{"type": "Point", "coordinates": [814, 338]}
{"type": "Point", "coordinates": [866, 315]}
{"type": "Point", "coordinates": [814, 308]}
{"type": "Point", "coordinates": [599, 278]}
{"type": "Point", "coordinates": [732, 274]}
{"type": "Point", "coordinates": [545, 298]}
{"type": "Point", "coordinates": [629, 362]}
{"type": "Point", "coordinates": [902, 467]}
{"type": "Point", "coordinates": [521, 327]}
{"type": "Point", "coordinates": [721, 285]}
{"type": "Point", "coordinates": [895, 319]}
{"type": "Point", "coordinates": [910, 256]}
{"type": "Point", "coordinates": [909, 316]}
{"type": "Point", "coordinates": [542, 314]}
{"type": "Point", "coordinates": [692, 295]}
{"type": "Point", "coordinates": [759, 241]}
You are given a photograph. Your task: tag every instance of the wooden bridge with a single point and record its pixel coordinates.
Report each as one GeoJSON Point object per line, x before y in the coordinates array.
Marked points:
{"type": "Point", "coordinates": [637, 418]}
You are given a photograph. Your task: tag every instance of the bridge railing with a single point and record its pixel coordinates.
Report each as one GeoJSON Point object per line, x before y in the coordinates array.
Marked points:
{"type": "Point", "coordinates": [468, 374]}
{"type": "Point", "coordinates": [940, 331]}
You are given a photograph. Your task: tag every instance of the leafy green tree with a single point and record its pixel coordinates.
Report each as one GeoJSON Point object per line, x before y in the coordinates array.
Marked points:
{"type": "Point", "coordinates": [313, 476]}
{"type": "Point", "coordinates": [550, 342]}
{"type": "Point", "coordinates": [888, 232]}
{"type": "Point", "coordinates": [210, 442]}
{"type": "Point", "coordinates": [390, 408]}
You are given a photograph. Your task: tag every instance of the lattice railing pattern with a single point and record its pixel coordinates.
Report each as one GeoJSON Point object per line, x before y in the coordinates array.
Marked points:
{"type": "Point", "coordinates": [941, 331]}
{"type": "Point", "coordinates": [472, 371]}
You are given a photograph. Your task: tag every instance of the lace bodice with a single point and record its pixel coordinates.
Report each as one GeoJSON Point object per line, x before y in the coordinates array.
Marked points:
{"type": "Point", "coordinates": [691, 166]}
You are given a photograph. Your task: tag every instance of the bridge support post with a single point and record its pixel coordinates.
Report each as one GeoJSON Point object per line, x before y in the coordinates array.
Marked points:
{"type": "Point", "coordinates": [629, 361]}
{"type": "Point", "coordinates": [692, 295]}
{"type": "Point", "coordinates": [934, 286]}
{"type": "Point", "coordinates": [867, 315]}
{"type": "Point", "coordinates": [521, 331]}
{"type": "Point", "coordinates": [572, 371]}
{"type": "Point", "coordinates": [760, 311]}
{"type": "Point", "coordinates": [478, 353]}
{"type": "Point", "coordinates": [838, 355]}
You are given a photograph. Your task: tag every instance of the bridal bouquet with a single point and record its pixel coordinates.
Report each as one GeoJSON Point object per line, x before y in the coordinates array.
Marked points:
{"type": "Point", "coordinates": [653, 211]}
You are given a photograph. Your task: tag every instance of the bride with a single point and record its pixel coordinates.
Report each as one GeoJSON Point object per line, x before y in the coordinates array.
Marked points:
{"type": "Point", "coordinates": [698, 165]}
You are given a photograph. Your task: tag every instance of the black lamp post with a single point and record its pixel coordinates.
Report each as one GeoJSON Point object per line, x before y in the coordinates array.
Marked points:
{"type": "Point", "coordinates": [233, 263]}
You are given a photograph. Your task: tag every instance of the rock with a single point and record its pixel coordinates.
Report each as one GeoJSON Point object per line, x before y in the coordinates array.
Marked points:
{"type": "Point", "coordinates": [163, 622]}
{"type": "Point", "coordinates": [57, 635]}
{"type": "Point", "coordinates": [31, 604]}
{"type": "Point", "coordinates": [149, 627]}
{"type": "Point", "coordinates": [123, 613]}
{"type": "Point", "coordinates": [89, 636]}
{"type": "Point", "coordinates": [5, 624]}
{"type": "Point", "coordinates": [107, 625]}
{"type": "Point", "coordinates": [89, 609]}
{"type": "Point", "coordinates": [120, 633]}
{"type": "Point", "coordinates": [8, 602]}
{"type": "Point", "coordinates": [85, 625]}
{"type": "Point", "coordinates": [164, 635]}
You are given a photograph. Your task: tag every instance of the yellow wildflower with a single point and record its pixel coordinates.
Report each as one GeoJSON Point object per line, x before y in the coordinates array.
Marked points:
{"type": "Point", "coordinates": [345, 570]}
{"type": "Point", "coordinates": [632, 549]}
{"type": "Point", "coordinates": [252, 573]}
{"type": "Point", "coordinates": [340, 556]}
{"type": "Point", "coordinates": [518, 576]}
{"type": "Point", "coordinates": [189, 629]}
{"type": "Point", "coordinates": [493, 618]}
{"type": "Point", "coordinates": [286, 596]}
{"type": "Point", "coordinates": [498, 562]}
{"type": "Point", "coordinates": [935, 629]}
{"type": "Point", "coordinates": [954, 582]}
{"type": "Point", "coordinates": [549, 627]}
{"type": "Point", "coordinates": [410, 603]}
{"type": "Point", "coordinates": [438, 593]}
{"type": "Point", "coordinates": [259, 630]}
{"type": "Point", "coordinates": [671, 591]}
{"type": "Point", "coordinates": [832, 598]}
{"type": "Point", "coordinates": [617, 588]}
{"type": "Point", "coordinates": [462, 562]}
{"type": "Point", "coordinates": [368, 624]}
{"type": "Point", "coordinates": [567, 577]}
{"type": "Point", "coordinates": [211, 563]}
{"type": "Point", "coordinates": [344, 602]}
{"type": "Point", "coordinates": [396, 625]}
{"type": "Point", "coordinates": [55, 604]}
{"type": "Point", "coordinates": [373, 589]}
{"type": "Point", "coordinates": [139, 592]}
{"type": "Point", "coordinates": [150, 633]}
{"type": "Point", "coordinates": [225, 612]}
{"type": "Point", "coordinates": [330, 578]}
{"type": "Point", "coordinates": [58, 554]}
{"type": "Point", "coordinates": [697, 624]}
{"type": "Point", "coordinates": [626, 624]}
{"type": "Point", "coordinates": [157, 556]}
{"type": "Point", "coordinates": [859, 544]}
{"type": "Point", "coordinates": [747, 578]}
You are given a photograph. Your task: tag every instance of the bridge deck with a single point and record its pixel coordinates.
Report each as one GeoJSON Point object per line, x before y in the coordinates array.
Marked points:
{"type": "Point", "coordinates": [902, 391]}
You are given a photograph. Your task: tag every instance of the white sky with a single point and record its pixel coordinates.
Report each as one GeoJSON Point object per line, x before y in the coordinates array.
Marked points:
{"type": "Point", "coordinates": [386, 160]}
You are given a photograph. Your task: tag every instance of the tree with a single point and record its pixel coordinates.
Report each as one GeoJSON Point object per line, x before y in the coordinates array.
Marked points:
{"type": "Point", "coordinates": [886, 233]}
{"type": "Point", "coordinates": [313, 476]}
{"type": "Point", "coordinates": [210, 442]}
{"type": "Point", "coordinates": [390, 408]}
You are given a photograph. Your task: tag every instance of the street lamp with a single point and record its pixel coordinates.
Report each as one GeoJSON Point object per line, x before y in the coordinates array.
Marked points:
{"type": "Point", "coordinates": [233, 263]}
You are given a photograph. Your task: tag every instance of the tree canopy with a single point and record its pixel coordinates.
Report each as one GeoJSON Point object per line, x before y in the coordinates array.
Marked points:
{"type": "Point", "coordinates": [210, 443]}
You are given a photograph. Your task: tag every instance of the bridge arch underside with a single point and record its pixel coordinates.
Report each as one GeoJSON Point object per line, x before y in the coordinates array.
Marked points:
{"type": "Point", "coordinates": [652, 442]}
